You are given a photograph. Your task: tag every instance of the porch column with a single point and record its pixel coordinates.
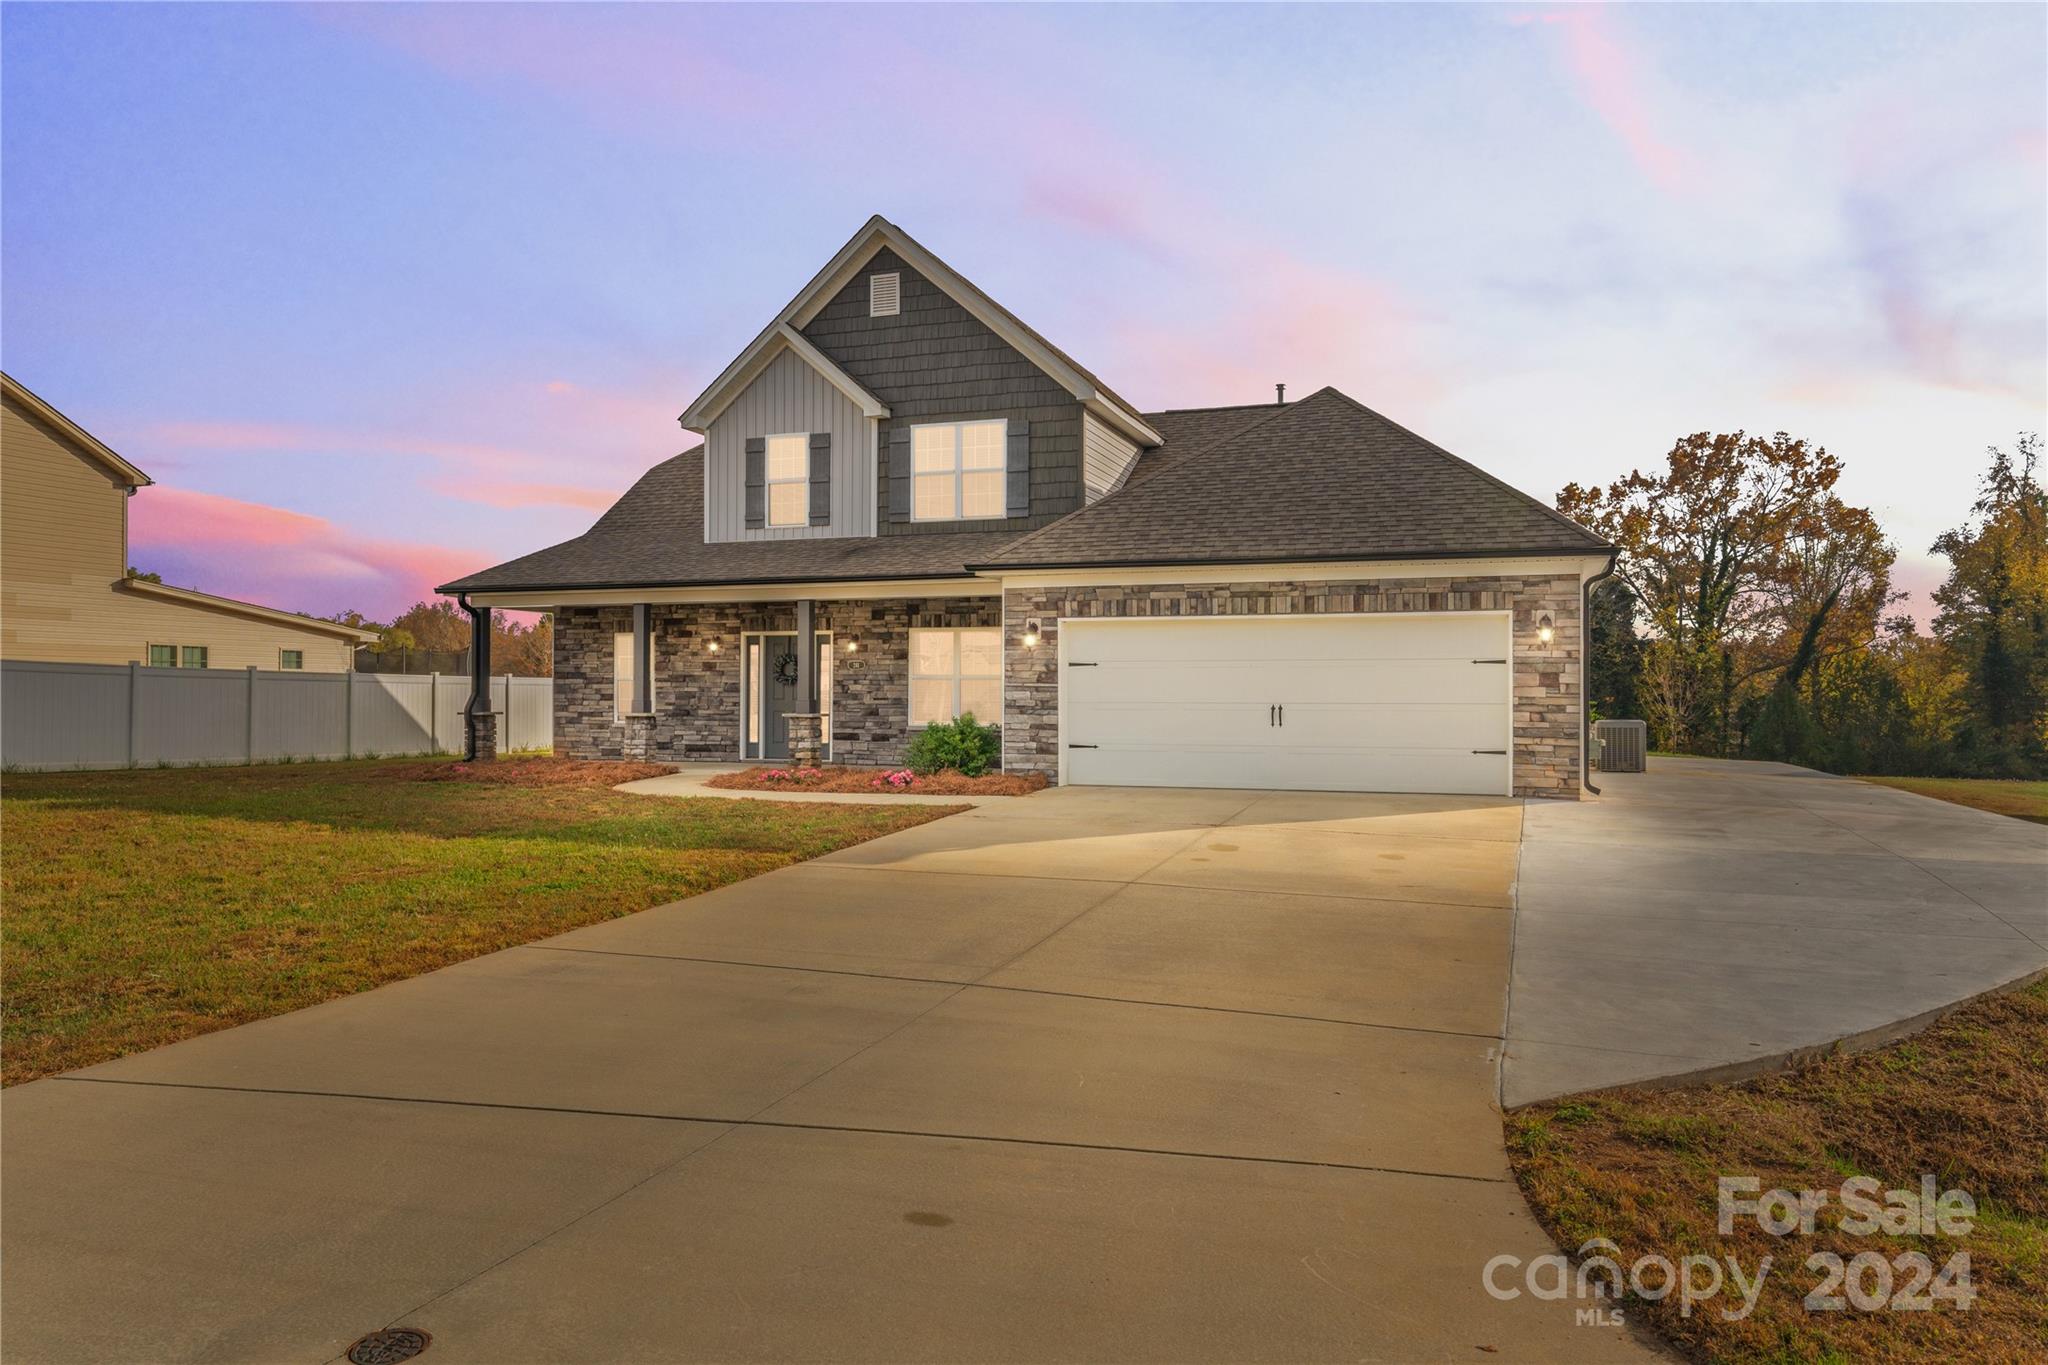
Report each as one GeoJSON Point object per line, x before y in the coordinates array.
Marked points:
{"type": "Point", "coordinates": [479, 721]}
{"type": "Point", "coordinates": [643, 661]}
{"type": "Point", "coordinates": [806, 742]}
{"type": "Point", "coordinates": [806, 656]}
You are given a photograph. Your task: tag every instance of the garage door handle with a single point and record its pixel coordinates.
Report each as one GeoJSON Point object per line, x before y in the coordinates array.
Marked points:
{"type": "Point", "coordinates": [1490, 751]}
{"type": "Point", "coordinates": [1076, 663]}
{"type": "Point", "coordinates": [1272, 716]}
{"type": "Point", "coordinates": [1084, 746]}
{"type": "Point", "coordinates": [1283, 716]}
{"type": "Point", "coordinates": [1489, 661]}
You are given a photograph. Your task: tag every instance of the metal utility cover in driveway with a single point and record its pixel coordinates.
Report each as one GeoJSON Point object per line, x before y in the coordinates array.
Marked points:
{"type": "Point", "coordinates": [1415, 702]}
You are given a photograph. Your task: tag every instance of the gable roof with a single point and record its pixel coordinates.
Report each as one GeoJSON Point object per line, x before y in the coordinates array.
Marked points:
{"type": "Point", "coordinates": [1324, 478]}
{"type": "Point", "coordinates": [192, 597]}
{"type": "Point", "coordinates": [770, 344]}
{"type": "Point", "coordinates": [874, 235]}
{"type": "Point", "coordinates": [77, 437]}
{"type": "Point", "coordinates": [637, 544]}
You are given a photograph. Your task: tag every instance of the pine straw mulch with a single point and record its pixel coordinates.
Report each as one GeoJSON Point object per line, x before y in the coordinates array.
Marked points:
{"type": "Point", "coordinates": [525, 772]}
{"type": "Point", "coordinates": [1965, 1101]}
{"type": "Point", "coordinates": [872, 781]}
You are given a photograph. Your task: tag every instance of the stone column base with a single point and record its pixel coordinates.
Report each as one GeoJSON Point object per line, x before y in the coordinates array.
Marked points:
{"type": "Point", "coordinates": [481, 736]}
{"type": "Point", "coordinates": [806, 738]}
{"type": "Point", "coordinates": [639, 739]}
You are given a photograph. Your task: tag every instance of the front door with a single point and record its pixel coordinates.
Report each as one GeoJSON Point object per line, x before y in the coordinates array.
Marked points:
{"type": "Point", "coordinates": [770, 691]}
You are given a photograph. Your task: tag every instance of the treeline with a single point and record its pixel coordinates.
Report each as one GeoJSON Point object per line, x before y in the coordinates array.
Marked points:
{"type": "Point", "coordinates": [1750, 616]}
{"type": "Point", "coordinates": [528, 651]}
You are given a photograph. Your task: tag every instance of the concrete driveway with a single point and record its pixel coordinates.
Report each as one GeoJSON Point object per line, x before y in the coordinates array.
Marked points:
{"type": "Point", "coordinates": [1714, 917]}
{"type": "Point", "coordinates": [1091, 1075]}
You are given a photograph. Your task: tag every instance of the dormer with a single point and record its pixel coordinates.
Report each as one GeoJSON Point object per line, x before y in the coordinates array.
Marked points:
{"type": "Point", "coordinates": [893, 397]}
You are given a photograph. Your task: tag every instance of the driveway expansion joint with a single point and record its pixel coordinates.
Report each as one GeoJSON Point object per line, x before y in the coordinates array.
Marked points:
{"type": "Point", "coordinates": [788, 1125]}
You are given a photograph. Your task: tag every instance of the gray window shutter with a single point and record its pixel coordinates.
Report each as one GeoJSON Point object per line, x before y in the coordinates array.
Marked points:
{"type": "Point", "coordinates": [821, 478]}
{"type": "Point", "coordinates": [899, 474]}
{"type": "Point", "coordinates": [757, 482]}
{"type": "Point", "coordinates": [1019, 466]}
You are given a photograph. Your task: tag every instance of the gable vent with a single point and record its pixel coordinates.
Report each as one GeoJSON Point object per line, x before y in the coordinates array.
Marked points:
{"type": "Point", "coordinates": [885, 295]}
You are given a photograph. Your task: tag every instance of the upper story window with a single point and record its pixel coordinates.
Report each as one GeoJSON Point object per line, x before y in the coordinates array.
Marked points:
{"type": "Point", "coordinates": [957, 470]}
{"type": "Point", "coordinates": [289, 659]}
{"type": "Point", "coordinates": [192, 656]}
{"type": "Point", "coordinates": [788, 472]}
{"type": "Point", "coordinates": [885, 295]}
{"type": "Point", "coordinates": [163, 656]}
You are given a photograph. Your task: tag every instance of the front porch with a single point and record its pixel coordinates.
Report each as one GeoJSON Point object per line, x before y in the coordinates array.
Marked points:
{"type": "Point", "coordinates": [722, 677]}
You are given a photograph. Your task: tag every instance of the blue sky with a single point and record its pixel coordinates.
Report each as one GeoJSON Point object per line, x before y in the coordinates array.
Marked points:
{"type": "Point", "coordinates": [381, 294]}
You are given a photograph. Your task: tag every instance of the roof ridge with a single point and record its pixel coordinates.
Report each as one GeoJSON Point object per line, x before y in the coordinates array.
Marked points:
{"type": "Point", "coordinates": [1220, 407]}
{"type": "Point", "coordinates": [1193, 459]}
{"type": "Point", "coordinates": [1493, 479]}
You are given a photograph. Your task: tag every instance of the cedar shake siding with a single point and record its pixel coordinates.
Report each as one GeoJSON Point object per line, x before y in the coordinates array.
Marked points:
{"type": "Point", "coordinates": [935, 362]}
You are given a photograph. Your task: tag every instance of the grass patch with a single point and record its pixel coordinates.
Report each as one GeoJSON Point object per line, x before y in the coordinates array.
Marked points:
{"type": "Point", "coordinates": [875, 781]}
{"type": "Point", "coordinates": [147, 906]}
{"type": "Point", "coordinates": [1966, 1101]}
{"type": "Point", "coordinates": [2000, 796]}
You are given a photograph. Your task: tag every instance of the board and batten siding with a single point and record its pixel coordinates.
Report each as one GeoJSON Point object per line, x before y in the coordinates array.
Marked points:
{"type": "Point", "coordinates": [63, 543]}
{"type": "Point", "coordinates": [786, 397]}
{"type": "Point", "coordinates": [1106, 457]}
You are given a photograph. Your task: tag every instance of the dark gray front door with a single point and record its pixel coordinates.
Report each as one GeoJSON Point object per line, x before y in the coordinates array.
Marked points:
{"type": "Point", "coordinates": [778, 693]}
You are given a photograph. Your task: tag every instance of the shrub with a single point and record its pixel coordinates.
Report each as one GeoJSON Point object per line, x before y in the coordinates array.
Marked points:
{"type": "Point", "coordinates": [964, 746]}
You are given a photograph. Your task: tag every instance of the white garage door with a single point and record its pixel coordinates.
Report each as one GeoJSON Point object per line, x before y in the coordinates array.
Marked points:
{"type": "Point", "coordinates": [1395, 703]}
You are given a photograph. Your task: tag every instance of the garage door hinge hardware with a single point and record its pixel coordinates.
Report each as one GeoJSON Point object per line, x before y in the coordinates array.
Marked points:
{"type": "Point", "coordinates": [1490, 751]}
{"type": "Point", "coordinates": [1489, 661]}
{"type": "Point", "coordinates": [1084, 746]}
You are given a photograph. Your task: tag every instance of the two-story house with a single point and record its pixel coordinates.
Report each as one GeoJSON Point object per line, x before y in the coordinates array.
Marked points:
{"type": "Point", "coordinates": [908, 505]}
{"type": "Point", "coordinates": [65, 592]}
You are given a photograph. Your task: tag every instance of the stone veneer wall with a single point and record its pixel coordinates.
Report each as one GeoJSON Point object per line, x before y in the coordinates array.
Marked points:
{"type": "Point", "coordinates": [697, 692]}
{"type": "Point", "coordinates": [1546, 686]}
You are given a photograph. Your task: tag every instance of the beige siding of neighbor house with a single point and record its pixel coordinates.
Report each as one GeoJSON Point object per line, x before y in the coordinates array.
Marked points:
{"type": "Point", "coordinates": [1106, 457]}
{"type": "Point", "coordinates": [63, 543]}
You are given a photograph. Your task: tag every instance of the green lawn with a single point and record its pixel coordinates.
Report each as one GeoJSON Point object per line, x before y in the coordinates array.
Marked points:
{"type": "Point", "coordinates": [146, 906]}
{"type": "Point", "coordinates": [1966, 1102]}
{"type": "Point", "coordinates": [2021, 800]}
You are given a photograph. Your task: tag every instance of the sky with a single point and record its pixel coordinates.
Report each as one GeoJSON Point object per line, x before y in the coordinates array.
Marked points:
{"type": "Point", "coordinates": [384, 294]}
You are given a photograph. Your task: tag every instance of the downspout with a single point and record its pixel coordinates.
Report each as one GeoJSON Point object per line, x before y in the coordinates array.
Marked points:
{"type": "Point", "coordinates": [1586, 673]}
{"type": "Point", "coordinates": [479, 672]}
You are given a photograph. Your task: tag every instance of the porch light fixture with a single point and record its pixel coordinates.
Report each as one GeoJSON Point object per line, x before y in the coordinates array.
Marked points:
{"type": "Point", "coordinates": [712, 646]}
{"type": "Point", "coordinates": [1031, 633]}
{"type": "Point", "coordinates": [1544, 631]}
{"type": "Point", "coordinates": [852, 645]}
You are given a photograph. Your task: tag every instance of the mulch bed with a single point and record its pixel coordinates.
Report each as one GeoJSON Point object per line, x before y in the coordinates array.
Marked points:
{"type": "Point", "coordinates": [877, 781]}
{"type": "Point", "coordinates": [527, 772]}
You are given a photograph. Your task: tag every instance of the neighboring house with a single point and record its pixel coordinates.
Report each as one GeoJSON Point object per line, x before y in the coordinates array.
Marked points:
{"type": "Point", "coordinates": [908, 505]}
{"type": "Point", "coordinates": [65, 594]}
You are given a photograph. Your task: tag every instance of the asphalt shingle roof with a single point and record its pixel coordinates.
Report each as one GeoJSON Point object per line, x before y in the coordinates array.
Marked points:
{"type": "Point", "coordinates": [1324, 477]}
{"type": "Point", "coordinates": [653, 536]}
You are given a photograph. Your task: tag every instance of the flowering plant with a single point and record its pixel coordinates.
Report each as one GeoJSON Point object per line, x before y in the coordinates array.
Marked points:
{"type": "Point", "coordinates": [900, 779]}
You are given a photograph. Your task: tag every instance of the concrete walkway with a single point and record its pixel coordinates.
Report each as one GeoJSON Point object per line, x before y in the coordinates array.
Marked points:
{"type": "Point", "coordinates": [1715, 916]}
{"type": "Point", "coordinates": [1090, 1075]}
{"type": "Point", "coordinates": [694, 779]}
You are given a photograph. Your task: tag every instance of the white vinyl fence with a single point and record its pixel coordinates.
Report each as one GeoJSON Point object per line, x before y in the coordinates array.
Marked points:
{"type": "Point", "coordinates": [119, 716]}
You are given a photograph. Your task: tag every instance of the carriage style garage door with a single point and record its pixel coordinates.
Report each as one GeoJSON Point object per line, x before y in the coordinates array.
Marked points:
{"type": "Point", "coordinates": [1393, 703]}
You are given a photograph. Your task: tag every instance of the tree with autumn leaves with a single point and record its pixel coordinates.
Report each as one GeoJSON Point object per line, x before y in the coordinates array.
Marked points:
{"type": "Point", "coordinates": [527, 651]}
{"type": "Point", "coordinates": [1747, 615]}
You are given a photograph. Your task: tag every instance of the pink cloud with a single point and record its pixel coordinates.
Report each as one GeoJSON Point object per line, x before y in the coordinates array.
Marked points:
{"type": "Point", "coordinates": [285, 559]}
{"type": "Point", "coordinates": [1610, 78]}
{"type": "Point", "coordinates": [516, 495]}
{"type": "Point", "coordinates": [290, 439]}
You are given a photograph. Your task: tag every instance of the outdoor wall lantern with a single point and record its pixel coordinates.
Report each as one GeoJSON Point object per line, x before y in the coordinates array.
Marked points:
{"type": "Point", "coordinates": [852, 645]}
{"type": "Point", "coordinates": [1544, 630]}
{"type": "Point", "coordinates": [1031, 633]}
{"type": "Point", "coordinates": [712, 646]}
